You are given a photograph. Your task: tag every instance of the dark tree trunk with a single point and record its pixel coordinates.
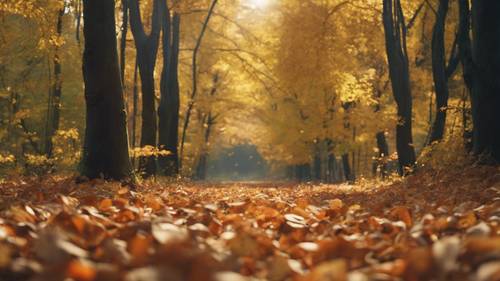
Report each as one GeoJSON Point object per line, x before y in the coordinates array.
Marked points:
{"type": "Point", "coordinates": [194, 74]}
{"type": "Point", "coordinates": [105, 151]}
{"type": "Point", "coordinates": [135, 105]}
{"type": "Point", "coordinates": [331, 162]}
{"type": "Point", "coordinates": [439, 73]}
{"type": "Point", "coordinates": [395, 41]}
{"type": "Point", "coordinates": [168, 110]}
{"type": "Point", "coordinates": [464, 43]}
{"type": "Point", "coordinates": [465, 51]}
{"type": "Point", "coordinates": [147, 49]}
{"type": "Point", "coordinates": [201, 168]}
{"type": "Point", "coordinates": [382, 154]}
{"type": "Point", "coordinates": [379, 165]}
{"type": "Point", "coordinates": [332, 168]}
{"type": "Point", "coordinates": [346, 166]}
{"type": "Point", "coordinates": [486, 86]}
{"type": "Point", "coordinates": [54, 110]}
{"type": "Point", "coordinates": [317, 164]}
{"type": "Point", "coordinates": [123, 39]}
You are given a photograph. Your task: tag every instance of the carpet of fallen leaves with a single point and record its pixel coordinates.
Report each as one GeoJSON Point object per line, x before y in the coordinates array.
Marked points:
{"type": "Point", "coordinates": [431, 226]}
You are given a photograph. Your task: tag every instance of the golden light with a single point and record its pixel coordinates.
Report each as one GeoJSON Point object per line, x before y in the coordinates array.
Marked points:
{"type": "Point", "coordinates": [258, 4]}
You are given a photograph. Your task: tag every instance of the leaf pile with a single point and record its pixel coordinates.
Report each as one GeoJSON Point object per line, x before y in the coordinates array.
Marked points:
{"type": "Point", "coordinates": [430, 227]}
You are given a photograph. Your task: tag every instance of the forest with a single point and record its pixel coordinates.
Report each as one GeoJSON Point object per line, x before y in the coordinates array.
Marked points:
{"type": "Point", "coordinates": [247, 140]}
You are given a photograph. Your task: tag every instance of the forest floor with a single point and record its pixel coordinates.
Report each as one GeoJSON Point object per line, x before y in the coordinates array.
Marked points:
{"type": "Point", "coordinates": [435, 225]}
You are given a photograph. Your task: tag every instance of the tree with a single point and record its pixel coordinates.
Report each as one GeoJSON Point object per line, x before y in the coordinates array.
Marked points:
{"type": "Point", "coordinates": [380, 161]}
{"type": "Point", "coordinates": [168, 109]}
{"type": "Point", "coordinates": [105, 151]}
{"type": "Point", "coordinates": [486, 85]}
{"type": "Point", "coordinates": [54, 108]}
{"type": "Point", "coordinates": [123, 39]}
{"type": "Point", "coordinates": [397, 56]}
{"type": "Point", "coordinates": [441, 71]}
{"type": "Point", "coordinates": [349, 174]}
{"type": "Point", "coordinates": [194, 74]}
{"type": "Point", "coordinates": [147, 49]}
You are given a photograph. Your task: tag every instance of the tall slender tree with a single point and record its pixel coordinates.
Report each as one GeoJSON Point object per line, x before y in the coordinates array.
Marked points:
{"type": "Point", "coordinates": [397, 55]}
{"type": "Point", "coordinates": [105, 151]}
{"type": "Point", "coordinates": [465, 53]}
{"type": "Point", "coordinates": [194, 74]}
{"type": "Point", "coordinates": [54, 109]}
{"type": "Point", "coordinates": [123, 39]}
{"type": "Point", "coordinates": [442, 70]}
{"type": "Point", "coordinates": [168, 109]}
{"type": "Point", "coordinates": [486, 85]}
{"type": "Point", "coordinates": [147, 48]}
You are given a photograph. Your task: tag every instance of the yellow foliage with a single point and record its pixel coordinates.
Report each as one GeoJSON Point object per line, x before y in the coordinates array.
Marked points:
{"type": "Point", "coordinates": [149, 150]}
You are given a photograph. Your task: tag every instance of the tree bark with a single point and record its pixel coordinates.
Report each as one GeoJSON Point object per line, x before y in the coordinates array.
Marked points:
{"type": "Point", "coordinates": [168, 110]}
{"type": "Point", "coordinates": [147, 49]}
{"type": "Point", "coordinates": [123, 40]}
{"type": "Point", "coordinates": [54, 110]}
{"type": "Point", "coordinates": [486, 86]}
{"type": "Point", "coordinates": [439, 73]}
{"type": "Point", "coordinates": [395, 39]}
{"type": "Point", "coordinates": [105, 151]}
{"type": "Point", "coordinates": [464, 43]}
{"type": "Point", "coordinates": [465, 52]}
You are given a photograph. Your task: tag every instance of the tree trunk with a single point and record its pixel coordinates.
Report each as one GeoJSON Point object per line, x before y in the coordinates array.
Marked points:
{"type": "Point", "coordinates": [105, 151]}
{"type": "Point", "coordinates": [317, 163]}
{"type": "Point", "coordinates": [194, 73]}
{"type": "Point", "coordinates": [439, 73]}
{"type": "Point", "coordinates": [201, 169]}
{"type": "Point", "coordinates": [147, 49]}
{"type": "Point", "coordinates": [346, 166]}
{"type": "Point", "coordinates": [486, 86]}
{"type": "Point", "coordinates": [382, 155]}
{"type": "Point", "coordinates": [135, 106]}
{"type": "Point", "coordinates": [395, 39]}
{"type": "Point", "coordinates": [54, 110]}
{"type": "Point", "coordinates": [332, 168]}
{"type": "Point", "coordinates": [123, 40]}
{"type": "Point", "coordinates": [168, 110]}
{"type": "Point", "coordinates": [464, 43]}
{"type": "Point", "coordinates": [465, 52]}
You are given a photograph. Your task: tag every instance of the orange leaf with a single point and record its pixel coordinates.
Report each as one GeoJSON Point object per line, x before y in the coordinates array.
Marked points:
{"type": "Point", "coordinates": [80, 271]}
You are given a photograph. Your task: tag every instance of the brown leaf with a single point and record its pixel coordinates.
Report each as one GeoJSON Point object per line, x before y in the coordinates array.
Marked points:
{"type": "Point", "coordinates": [403, 214]}
{"type": "Point", "coordinates": [139, 248]}
{"type": "Point", "coordinates": [467, 220]}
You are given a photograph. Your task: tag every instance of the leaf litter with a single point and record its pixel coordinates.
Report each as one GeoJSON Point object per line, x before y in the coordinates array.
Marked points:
{"type": "Point", "coordinates": [431, 226]}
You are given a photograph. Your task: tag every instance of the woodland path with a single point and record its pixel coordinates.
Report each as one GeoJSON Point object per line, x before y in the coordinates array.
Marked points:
{"type": "Point", "coordinates": [431, 225]}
